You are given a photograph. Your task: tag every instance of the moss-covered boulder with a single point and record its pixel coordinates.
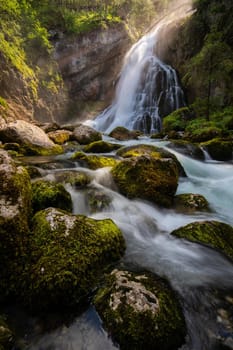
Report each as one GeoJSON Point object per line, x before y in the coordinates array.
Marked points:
{"type": "Point", "coordinates": [97, 200]}
{"type": "Point", "coordinates": [60, 136]}
{"type": "Point", "coordinates": [68, 255]}
{"type": "Point", "coordinates": [33, 171]}
{"type": "Point", "coordinates": [187, 148]}
{"type": "Point", "coordinates": [140, 311]}
{"type": "Point", "coordinates": [85, 134]}
{"type": "Point", "coordinates": [177, 120]}
{"type": "Point", "coordinates": [76, 179]}
{"type": "Point", "coordinates": [6, 335]}
{"type": "Point", "coordinates": [216, 234]}
{"type": "Point", "coordinates": [190, 202]}
{"type": "Point", "coordinates": [202, 134]}
{"type": "Point", "coordinates": [101, 147]}
{"type": "Point", "coordinates": [15, 210]}
{"type": "Point", "coordinates": [32, 139]}
{"type": "Point", "coordinates": [149, 151]}
{"type": "Point", "coordinates": [219, 149]}
{"type": "Point", "coordinates": [92, 161]}
{"type": "Point", "coordinates": [50, 194]}
{"type": "Point", "coordinates": [147, 178]}
{"type": "Point", "coordinates": [122, 134]}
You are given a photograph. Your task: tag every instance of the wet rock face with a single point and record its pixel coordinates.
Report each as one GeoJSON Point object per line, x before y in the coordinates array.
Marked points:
{"type": "Point", "coordinates": [140, 311]}
{"type": "Point", "coordinates": [90, 63]}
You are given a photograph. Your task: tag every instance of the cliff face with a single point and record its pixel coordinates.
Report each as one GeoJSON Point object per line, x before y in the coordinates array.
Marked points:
{"type": "Point", "coordinates": [89, 65]}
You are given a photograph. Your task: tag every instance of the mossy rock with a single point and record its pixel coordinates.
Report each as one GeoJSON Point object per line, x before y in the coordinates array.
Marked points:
{"type": "Point", "coordinates": [190, 202]}
{"type": "Point", "coordinates": [141, 311]}
{"type": "Point", "coordinates": [219, 149]}
{"type": "Point", "coordinates": [203, 134]}
{"type": "Point", "coordinates": [97, 200]}
{"type": "Point", "coordinates": [68, 255]}
{"type": "Point", "coordinates": [216, 234]}
{"type": "Point", "coordinates": [101, 147]}
{"type": "Point", "coordinates": [84, 135]}
{"type": "Point", "coordinates": [93, 162]}
{"type": "Point", "coordinates": [149, 151]}
{"type": "Point", "coordinates": [33, 171]}
{"type": "Point", "coordinates": [187, 148]}
{"type": "Point", "coordinates": [6, 335]}
{"type": "Point", "coordinates": [15, 211]}
{"type": "Point", "coordinates": [147, 178]}
{"type": "Point", "coordinates": [35, 150]}
{"type": "Point", "coordinates": [123, 134]}
{"type": "Point", "coordinates": [76, 179]}
{"type": "Point", "coordinates": [177, 120]}
{"type": "Point", "coordinates": [47, 194]}
{"type": "Point", "coordinates": [60, 136]}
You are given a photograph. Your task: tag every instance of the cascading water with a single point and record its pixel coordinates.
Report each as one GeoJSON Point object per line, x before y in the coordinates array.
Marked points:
{"type": "Point", "coordinates": [148, 89]}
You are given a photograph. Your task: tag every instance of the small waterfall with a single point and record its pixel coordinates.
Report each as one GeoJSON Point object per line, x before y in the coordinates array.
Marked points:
{"type": "Point", "coordinates": [148, 89]}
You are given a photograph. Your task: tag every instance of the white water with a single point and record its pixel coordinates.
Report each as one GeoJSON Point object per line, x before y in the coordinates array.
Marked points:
{"type": "Point", "coordinates": [148, 88]}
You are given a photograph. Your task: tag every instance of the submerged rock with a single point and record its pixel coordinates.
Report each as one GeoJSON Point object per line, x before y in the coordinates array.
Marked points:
{"type": "Point", "coordinates": [97, 200]}
{"type": "Point", "coordinates": [76, 179]}
{"type": "Point", "coordinates": [93, 162]}
{"type": "Point", "coordinates": [140, 311]}
{"type": "Point", "coordinates": [32, 139]}
{"type": "Point", "coordinates": [69, 253]}
{"type": "Point", "coordinates": [50, 194]}
{"type": "Point", "coordinates": [122, 134]}
{"type": "Point", "coordinates": [101, 147]}
{"type": "Point", "coordinates": [190, 202]}
{"type": "Point", "coordinates": [85, 134]}
{"type": "Point", "coordinates": [147, 177]}
{"type": "Point", "coordinates": [213, 233]}
{"type": "Point", "coordinates": [15, 210]}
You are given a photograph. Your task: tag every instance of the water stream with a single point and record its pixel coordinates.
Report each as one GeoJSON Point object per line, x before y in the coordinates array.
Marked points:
{"type": "Point", "coordinates": [202, 276]}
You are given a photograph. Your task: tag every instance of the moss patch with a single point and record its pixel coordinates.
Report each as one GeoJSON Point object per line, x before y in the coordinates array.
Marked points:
{"type": "Point", "coordinates": [219, 149]}
{"type": "Point", "coordinates": [93, 162]}
{"type": "Point", "coordinates": [189, 202]}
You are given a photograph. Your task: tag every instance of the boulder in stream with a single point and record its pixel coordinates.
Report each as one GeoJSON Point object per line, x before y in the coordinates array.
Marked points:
{"type": "Point", "coordinates": [217, 235]}
{"type": "Point", "coordinates": [219, 149]}
{"type": "Point", "coordinates": [101, 147]}
{"type": "Point", "coordinates": [93, 161]}
{"type": "Point", "coordinates": [141, 311]}
{"type": "Point", "coordinates": [85, 134]}
{"type": "Point", "coordinates": [68, 255]}
{"type": "Point", "coordinates": [60, 136]}
{"type": "Point", "coordinates": [122, 134]}
{"type": "Point", "coordinates": [190, 202]}
{"type": "Point", "coordinates": [32, 139]}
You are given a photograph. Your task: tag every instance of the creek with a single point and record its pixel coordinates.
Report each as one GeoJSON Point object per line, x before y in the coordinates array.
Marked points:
{"type": "Point", "coordinates": [202, 277]}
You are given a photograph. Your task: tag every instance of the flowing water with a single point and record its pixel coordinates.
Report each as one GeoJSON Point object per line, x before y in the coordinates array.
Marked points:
{"type": "Point", "coordinates": [202, 277]}
{"type": "Point", "coordinates": [148, 89]}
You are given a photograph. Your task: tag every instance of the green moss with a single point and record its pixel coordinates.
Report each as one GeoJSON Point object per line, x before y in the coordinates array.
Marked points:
{"type": "Point", "coordinates": [49, 194]}
{"type": "Point", "coordinates": [93, 162]}
{"type": "Point", "coordinates": [34, 150]}
{"type": "Point", "coordinates": [215, 234]}
{"type": "Point", "coordinates": [3, 102]}
{"type": "Point", "coordinates": [219, 149]}
{"type": "Point", "coordinates": [74, 178]}
{"type": "Point", "coordinates": [159, 320]}
{"type": "Point", "coordinates": [178, 120]}
{"type": "Point", "coordinates": [69, 253]}
{"type": "Point", "coordinates": [147, 178]}
{"type": "Point", "coordinates": [100, 147]}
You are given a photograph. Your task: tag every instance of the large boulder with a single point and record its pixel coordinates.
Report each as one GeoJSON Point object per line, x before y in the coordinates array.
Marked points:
{"type": "Point", "coordinates": [85, 134]}
{"type": "Point", "coordinates": [216, 234]}
{"type": "Point", "coordinates": [140, 311]}
{"type": "Point", "coordinates": [122, 134]}
{"type": "Point", "coordinates": [149, 176]}
{"type": "Point", "coordinates": [32, 139]}
{"type": "Point", "coordinates": [15, 210]}
{"type": "Point", "coordinates": [50, 194]}
{"type": "Point", "coordinates": [68, 255]}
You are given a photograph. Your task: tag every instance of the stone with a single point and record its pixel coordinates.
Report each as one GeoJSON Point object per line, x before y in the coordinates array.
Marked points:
{"type": "Point", "coordinates": [219, 149]}
{"type": "Point", "coordinates": [60, 136]}
{"type": "Point", "coordinates": [32, 139]}
{"type": "Point", "coordinates": [92, 161]}
{"type": "Point", "coordinates": [85, 134]}
{"type": "Point", "coordinates": [69, 253]}
{"type": "Point", "coordinates": [190, 202]}
{"type": "Point", "coordinates": [101, 147]}
{"type": "Point", "coordinates": [140, 311]}
{"type": "Point", "coordinates": [122, 134]}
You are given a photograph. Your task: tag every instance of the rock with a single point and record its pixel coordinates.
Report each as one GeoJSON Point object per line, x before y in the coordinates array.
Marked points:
{"type": "Point", "coordinates": [69, 254]}
{"type": "Point", "coordinates": [189, 202]}
{"type": "Point", "coordinates": [85, 134]}
{"type": "Point", "coordinates": [15, 210]}
{"type": "Point", "coordinates": [97, 200]}
{"type": "Point", "coordinates": [6, 335]}
{"type": "Point", "coordinates": [50, 194]}
{"type": "Point", "coordinates": [147, 178]}
{"type": "Point", "coordinates": [216, 234]}
{"type": "Point", "coordinates": [93, 162]}
{"type": "Point", "coordinates": [149, 151]}
{"type": "Point", "coordinates": [60, 136]}
{"type": "Point", "coordinates": [203, 134]}
{"type": "Point", "coordinates": [218, 149]}
{"type": "Point", "coordinates": [48, 127]}
{"type": "Point", "coordinates": [122, 134]}
{"type": "Point", "coordinates": [31, 138]}
{"type": "Point", "coordinates": [187, 148]}
{"type": "Point", "coordinates": [101, 147]}
{"type": "Point", "coordinates": [33, 171]}
{"type": "Point", "coordinates": [140, 311]}
{"type": "Point", "coordinates": [76, 179]}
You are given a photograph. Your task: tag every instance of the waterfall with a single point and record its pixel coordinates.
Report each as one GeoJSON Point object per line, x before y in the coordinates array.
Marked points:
{"type": "Point", "coordinates": [148, 89]}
